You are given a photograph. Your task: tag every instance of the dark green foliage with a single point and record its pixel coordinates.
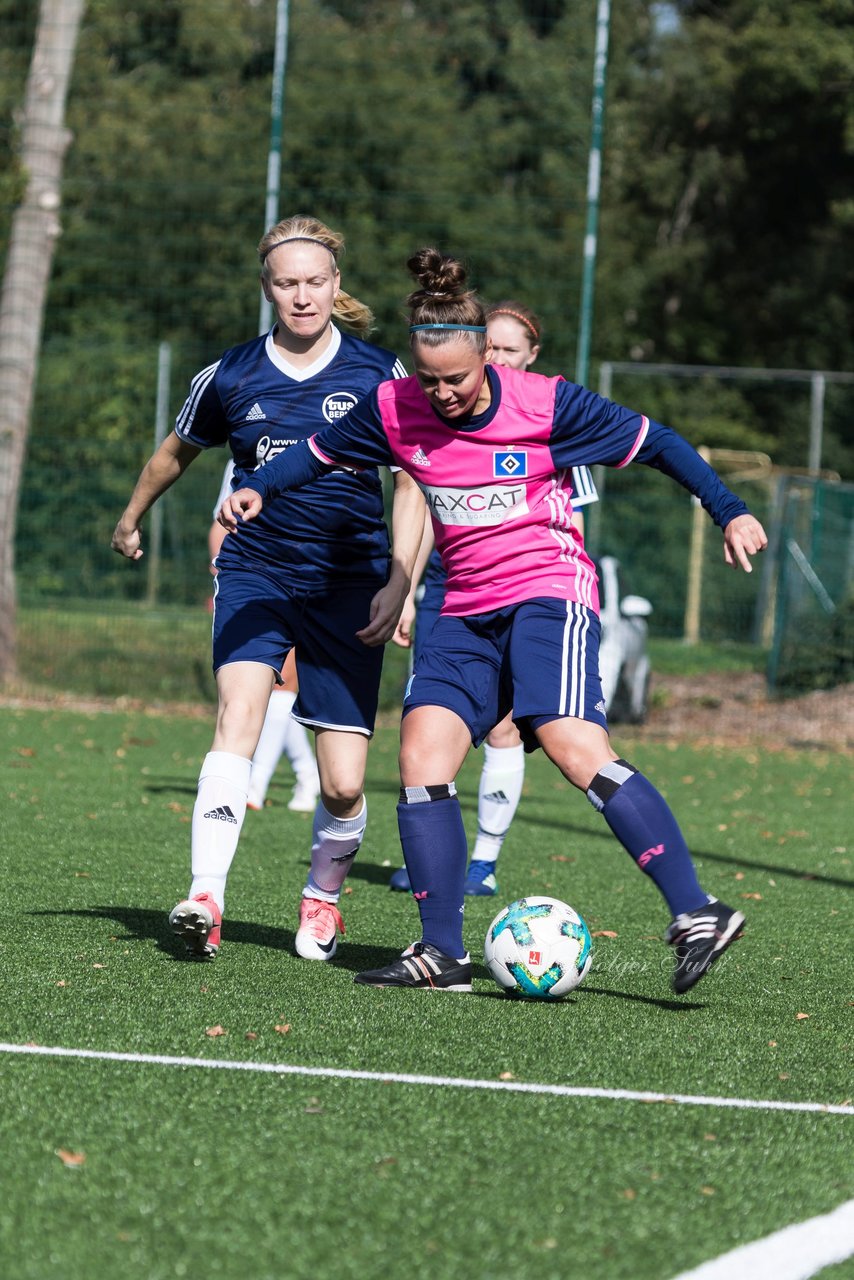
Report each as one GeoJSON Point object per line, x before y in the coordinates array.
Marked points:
{"type": "Point", "coordinates": [725, 230]}
{"type": "Point", "coordinates": [725, 226]}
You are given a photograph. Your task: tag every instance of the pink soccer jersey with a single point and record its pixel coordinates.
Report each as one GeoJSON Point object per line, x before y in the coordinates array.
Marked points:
{"type": "Point", "coordinates": [506, 534]}
{"type": "Point", "coordinates": [499, 485]}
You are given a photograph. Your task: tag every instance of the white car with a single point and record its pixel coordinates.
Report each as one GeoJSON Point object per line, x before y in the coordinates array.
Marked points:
{"type": "Point", "coordinates": [623, 659]}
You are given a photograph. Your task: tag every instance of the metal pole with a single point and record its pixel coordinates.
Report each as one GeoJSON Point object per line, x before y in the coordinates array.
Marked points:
{"type": "Point", "coordinates": [593, 513]}
{"type": "Point", "coordinates": [594, 168]}
{"type": "Point", "coordinates": [274, 155]}
{"type": "Point", "coordinates": [817, 383]}
{"type": "Point", "coordinates": [161, 426]}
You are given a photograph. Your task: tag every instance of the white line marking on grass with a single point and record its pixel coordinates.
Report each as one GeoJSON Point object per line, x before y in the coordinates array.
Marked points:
{"type": "Point", "coordinates": [795, 1253]}
{"type": "Point", "coordinates": [453, 1082]}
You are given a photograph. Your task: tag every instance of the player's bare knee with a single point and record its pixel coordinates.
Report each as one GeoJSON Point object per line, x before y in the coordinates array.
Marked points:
{"type": "Point", "coordinates": [420, 768]}
{"type": "Point", "coordinates": [341, 795]}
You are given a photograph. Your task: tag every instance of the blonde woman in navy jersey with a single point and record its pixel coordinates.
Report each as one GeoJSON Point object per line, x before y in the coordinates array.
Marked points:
{"type": "Point", "coordinates": [491, 449]}
{"type": "Point", "coordinates": [316, 572]}
{"type": "Point", "coordinates": [515, 335]}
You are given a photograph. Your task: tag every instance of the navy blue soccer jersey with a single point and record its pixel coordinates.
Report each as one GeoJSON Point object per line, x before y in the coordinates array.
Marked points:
{"type": "Point", "coordinates": [259, 404]}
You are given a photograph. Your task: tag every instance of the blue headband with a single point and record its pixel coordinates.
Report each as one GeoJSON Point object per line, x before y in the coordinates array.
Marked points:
{"type": "Point", "coordinates": [465, 328]}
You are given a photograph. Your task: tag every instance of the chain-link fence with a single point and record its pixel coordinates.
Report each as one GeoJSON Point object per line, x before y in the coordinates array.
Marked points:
{"type": "Point", "coordinates": [813, 541]}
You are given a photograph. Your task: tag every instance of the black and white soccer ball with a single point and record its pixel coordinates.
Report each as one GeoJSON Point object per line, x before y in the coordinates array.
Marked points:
{"type": "Point", "coordinates": [538, 948]}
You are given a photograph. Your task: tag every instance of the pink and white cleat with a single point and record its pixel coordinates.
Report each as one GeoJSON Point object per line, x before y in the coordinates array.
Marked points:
{"type": "Point", "coordinates": [198, 920]}
{"type": "Point", "coordinates": [319, 924]}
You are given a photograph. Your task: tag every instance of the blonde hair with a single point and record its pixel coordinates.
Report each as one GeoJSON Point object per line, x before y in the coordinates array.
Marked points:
{"type": "Point", "coordinates": [443, 299]}
{"type": "Point", "coordinates": [349, 310]}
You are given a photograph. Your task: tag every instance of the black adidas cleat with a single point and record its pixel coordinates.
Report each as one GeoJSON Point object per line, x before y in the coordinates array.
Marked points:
{"type": "Point", "coordinates": [700, 938]}
{"type": "Point", "coordinates": [421, 965]}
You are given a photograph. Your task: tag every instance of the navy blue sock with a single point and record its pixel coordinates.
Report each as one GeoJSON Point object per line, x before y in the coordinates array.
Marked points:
{"type": "Point", "coordinates": [641, 819]}
{"type": "Point", "coordinates": [435, 852]}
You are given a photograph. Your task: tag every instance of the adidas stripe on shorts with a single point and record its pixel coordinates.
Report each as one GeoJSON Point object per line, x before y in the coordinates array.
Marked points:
{"type": "Point", "coordinates": [540, 657]}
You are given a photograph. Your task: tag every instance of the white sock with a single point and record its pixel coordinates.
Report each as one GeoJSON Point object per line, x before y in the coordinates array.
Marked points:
{"type": "Point", "coordinates": [299, 752]}
{"type": "Point", "coordinates": [271, 744]}
{"type": "Point", "coordinates": [499, 792]}
{"type": "Point", "coordinates": [334, 844]}
{"type": "Point", "coordinates": [217, 819]}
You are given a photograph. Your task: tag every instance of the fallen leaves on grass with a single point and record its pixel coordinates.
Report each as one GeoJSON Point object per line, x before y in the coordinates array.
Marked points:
{"type": "Point", "coordinates": [604, 933]}
{"type": "Point", "coordinates": [71, 1159]}
{"type": "Point", "coordinates": [800, 1016]}
{"type": "Point", "coordinates": [282, 1027]}
{"type": "Point", "coordinates": [216, 1031]}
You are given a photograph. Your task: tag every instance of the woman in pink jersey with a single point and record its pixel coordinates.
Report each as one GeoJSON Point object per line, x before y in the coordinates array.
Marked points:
{"type": "Point", "coordinates": [491, 449]}
{"type": "Point", "coordinates": [515, 333]}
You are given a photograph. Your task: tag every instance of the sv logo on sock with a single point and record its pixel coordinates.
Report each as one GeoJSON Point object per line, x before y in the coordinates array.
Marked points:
{"type": "Point", "coordinates": [649, 854]}
{"type": "Point", "coordinates": [419, 897]}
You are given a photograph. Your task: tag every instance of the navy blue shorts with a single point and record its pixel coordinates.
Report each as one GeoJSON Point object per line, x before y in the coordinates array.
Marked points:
{"type": "Point", "coordinates": [257, 618]}
{"type": "Point", "coordinates": [426, 613]}
{"type": "Point", "coordinates": [431, 597]}
{"type": "Point", "coordinates": [540, 657]}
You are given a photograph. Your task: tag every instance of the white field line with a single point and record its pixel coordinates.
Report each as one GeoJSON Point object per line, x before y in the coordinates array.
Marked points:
{"type": "Point", "coordinates": [452, 1082]}
{"type": "Point", "coordinates": [795, 1253]}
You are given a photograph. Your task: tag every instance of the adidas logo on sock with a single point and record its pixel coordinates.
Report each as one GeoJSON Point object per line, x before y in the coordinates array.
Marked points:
{"type": "Point", "coordinates": [222, 813]}
{"type": "Point", "coordinates": [497, 797]}
{"type": "Point", "coordinates": [256, 413]}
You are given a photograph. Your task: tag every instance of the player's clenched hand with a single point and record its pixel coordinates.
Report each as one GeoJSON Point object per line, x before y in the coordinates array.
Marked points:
{"type": "Point", "coordinates": [243, 504]}
{"type": "Point", "coordinates": [385, 611]}
{"type": "Point", "coordinates": [127, 542]}
{"type": "Point", "coordinates": [743, 538]}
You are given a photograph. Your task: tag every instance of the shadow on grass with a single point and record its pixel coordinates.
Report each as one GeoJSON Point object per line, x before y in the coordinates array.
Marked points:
{"type": "Point", "coordinates": [793, 873]}
{"type": "Point", "coordinates": [144, 925]}
{"type": "Point", "coordinates": [168, 786]}
{"type": "Point", "coordinates": [670, 1005]}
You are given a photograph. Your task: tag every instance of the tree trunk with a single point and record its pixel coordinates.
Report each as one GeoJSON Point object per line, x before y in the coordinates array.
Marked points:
{"type": "Point", "coordinates": [34, 231]}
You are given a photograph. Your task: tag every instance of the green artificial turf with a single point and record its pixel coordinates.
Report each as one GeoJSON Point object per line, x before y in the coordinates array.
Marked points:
{"type": "Point", "coordinates": [168, 1170]}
